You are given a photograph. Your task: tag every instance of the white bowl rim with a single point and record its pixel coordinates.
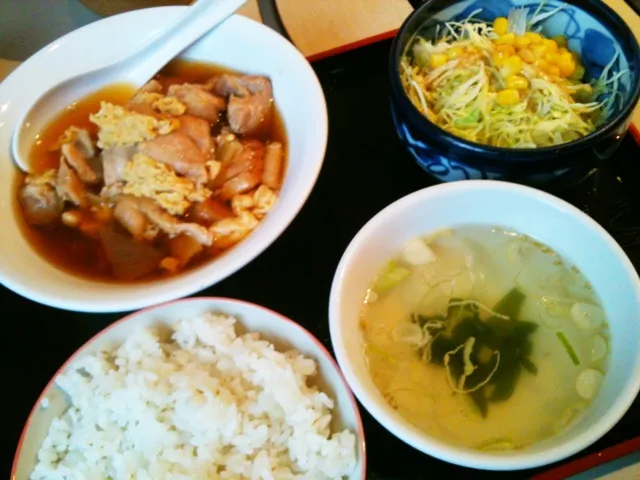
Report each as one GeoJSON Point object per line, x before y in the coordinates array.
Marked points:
{"type": "Point", "coordinates": [360, 436]}
{"type": "Point", "coordinates": [431, 445]}
{"type": "Point", "coordinates": [212, 272]}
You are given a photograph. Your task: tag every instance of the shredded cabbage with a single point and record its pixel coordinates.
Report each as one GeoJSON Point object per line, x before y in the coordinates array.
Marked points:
{"type": "Point", "coordinates": [469, 367]}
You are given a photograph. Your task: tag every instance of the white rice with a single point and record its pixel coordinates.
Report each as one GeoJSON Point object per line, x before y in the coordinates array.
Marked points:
{"type": "Point", "coordinates": [203, 404]}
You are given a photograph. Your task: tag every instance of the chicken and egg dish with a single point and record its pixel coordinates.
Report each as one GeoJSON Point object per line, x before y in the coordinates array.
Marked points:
{"type": "Point", "coordinates": [129, 188]}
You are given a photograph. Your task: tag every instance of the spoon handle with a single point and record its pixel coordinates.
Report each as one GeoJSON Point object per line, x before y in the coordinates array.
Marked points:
{"type": "Point", "coordinates": [198, 19]}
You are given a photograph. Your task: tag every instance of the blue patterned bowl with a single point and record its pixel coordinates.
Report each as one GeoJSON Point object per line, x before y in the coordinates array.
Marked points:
{"type": "Point", "coordinates": [593, 30]}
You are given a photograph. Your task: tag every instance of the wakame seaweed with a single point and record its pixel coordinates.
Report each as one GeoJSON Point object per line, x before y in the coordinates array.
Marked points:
{"type": "Point", "coordinates": [500, 344]}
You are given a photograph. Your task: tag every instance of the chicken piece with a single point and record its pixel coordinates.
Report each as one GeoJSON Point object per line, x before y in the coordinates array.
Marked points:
{"type": "Point", "coordinates": [226, 85]}
{"type": "Point", "coordinates": [184, 248]}
{"type": "Point", "coordinates": [80, 138]}
{"type": "Point", "coordinates": [242, 183]}
{"type": "Point", "coordinates": [78, 162]}
{"type": "Point", "coordinates": [84, 143]}
{"type": "Point", "coordinates": [131, 218]}
{"type": "Point", "coordinates": [227, 151]}
{"type": "Point", "coordinates": [146, 177]}
{"type": "Point", "coordinates": [172, 227]}
{"type": "Point", "coordinates": [69, 186]}
{"type": "Point", "coordinates": [273, 160]}
{"type": "Point", "coordinates": [197, 130]}
{"type": "Point", "coordinates": [129, 259]}
{"type": "Point", "coordinates": [250, 101]}
{"type": "Point", "coordinates": [114, 160]}
{"type": "Point", "coordinates": [39, 200]}
{"type": "Point", "coordinates": [199, 102]}
{"type": "Point", "coordinates": [250, 155]}
{"type": "Point", "coordinates": [179, 152]}
{"type": "Point", "coordinates": [244, 172]}
{"type": "Point", "coordinates": [165, 222]}
{"type": "Point", "coordinates": [210, 210]}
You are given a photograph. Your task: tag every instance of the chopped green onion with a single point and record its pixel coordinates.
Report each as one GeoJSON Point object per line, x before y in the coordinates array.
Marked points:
{"type": "Point", "coordinates": [567, 346]}
{"type": "Point", "coordinates": [392, 276]}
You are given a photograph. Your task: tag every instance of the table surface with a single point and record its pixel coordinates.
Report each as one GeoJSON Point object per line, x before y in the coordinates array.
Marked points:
{"type": "Point", "coordinates": [365, 169]}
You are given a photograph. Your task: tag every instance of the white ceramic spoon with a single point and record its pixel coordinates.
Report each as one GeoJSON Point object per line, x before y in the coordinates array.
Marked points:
{"type": "Point", "coordinates": [136, 70]}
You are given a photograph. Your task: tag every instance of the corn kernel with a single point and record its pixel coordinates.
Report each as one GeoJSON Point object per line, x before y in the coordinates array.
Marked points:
{"type": "Point", "coordinates": [578, 73]}
{"type": "Point", "coordinates": [553, 71]}
{"type": "Point", "coordinates": [566, 56]}
{"type": "Point", "coordinates": [501, 53]}
{"type": "Point", "coordinates": [522, 41]}
{"type": "Point", "coordinates": [567, 65]}
{"type": "Point", "coordinates": [551, 45]}
{"type": "Point", "coordinates": [561, 40]}
{"type": "Point", "coordinates": [539, 49]}
{"type": "Point", "coordinates": [534, 37]}
{"type": "Point", "coordinates": [501, 25]}
{"type": "Point", "coordinates": [517, 82]}
{"type": "Point", "coordinates": [527, 55]}
{"type": "Point", "coordinates": [541, 63]}
{"type": "Point", "coordinates": [562, 50]}
{"type": "Point", "coordinates": [505, 50]}
{"type": "Point", "coordinates": [552, 58]}
{"type": "Point", "coordinates": [506, 39]}
{"type": "Point", "coordinates": [512, 66]}
{"type": "Point", "coordinates": [508, 96]}
{"type": "Point", "coordinates": [438, 60]}
{"type": "Point", "coordinates": [454, 52]}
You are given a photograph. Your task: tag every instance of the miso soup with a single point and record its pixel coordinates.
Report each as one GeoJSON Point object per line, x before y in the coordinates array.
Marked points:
{"type": "Point", "coordinates": [485, 338]}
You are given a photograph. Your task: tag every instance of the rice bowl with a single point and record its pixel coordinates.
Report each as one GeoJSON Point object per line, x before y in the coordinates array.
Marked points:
{"type": "Point", "coordinates": [178, 391]}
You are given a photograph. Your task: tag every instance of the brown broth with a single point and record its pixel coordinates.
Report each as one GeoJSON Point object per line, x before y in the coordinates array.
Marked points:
{"type": "Point", "coordinates": [67, 248]}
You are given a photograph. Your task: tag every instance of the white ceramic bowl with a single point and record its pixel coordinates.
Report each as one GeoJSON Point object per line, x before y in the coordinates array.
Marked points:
{"type": "Point", "coordinates": [564, 228]}
{"type": "Point", "coordinates": [239, 43]}
{"type": "Point", "coordinates": [272, 326]}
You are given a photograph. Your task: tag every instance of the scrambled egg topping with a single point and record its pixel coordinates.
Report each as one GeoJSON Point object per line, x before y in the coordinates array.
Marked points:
{"type": "Point", "coordinates": [260, 201]}
{"type": "Point", "coordinates": [263, 200]}
{"type": "Point", "coordinates": [146, 177]}
{"type": "Point", "coordinates": [161, 103]}
{"type": "Point", "coordinates": [119, 126]}
{"type": "Point", "coordinates": [249, 208]}
{"type": "Point", "coordinates": [242, 224]}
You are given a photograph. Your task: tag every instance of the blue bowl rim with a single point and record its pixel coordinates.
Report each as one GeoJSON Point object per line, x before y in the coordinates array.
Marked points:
{"type": "Point", "coordinates": [596, 8]}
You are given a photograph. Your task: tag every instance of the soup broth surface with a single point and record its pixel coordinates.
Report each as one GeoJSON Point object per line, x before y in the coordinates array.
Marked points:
{"type": "Point", "coordinates": [546, 376]}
